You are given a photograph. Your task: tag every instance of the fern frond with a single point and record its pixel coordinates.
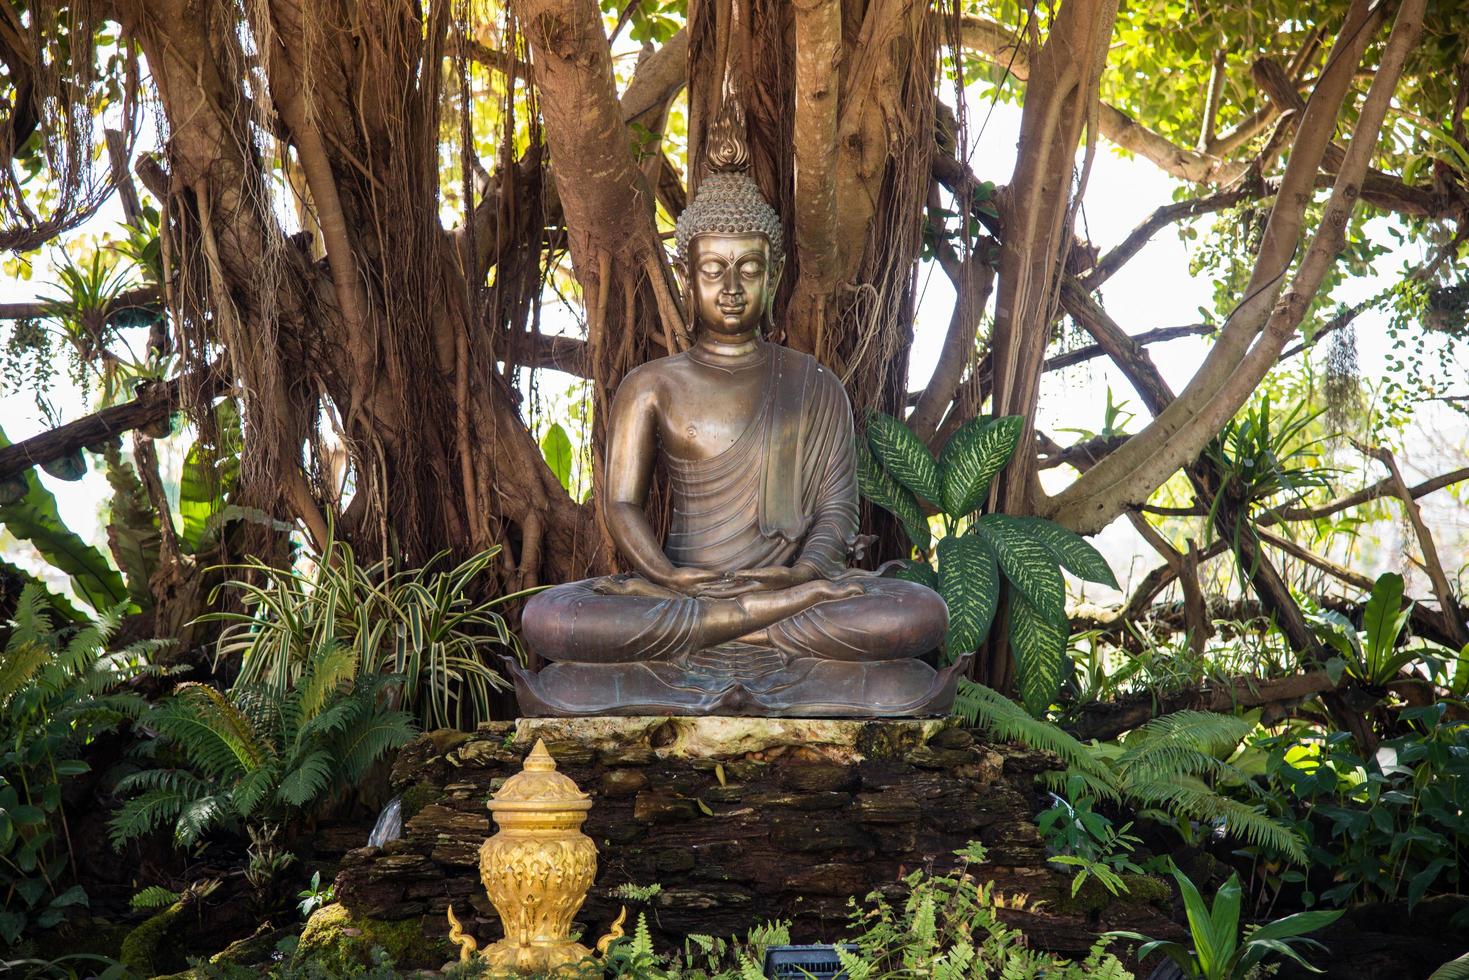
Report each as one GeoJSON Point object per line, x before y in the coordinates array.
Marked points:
{"type": "Point", "coordinates": [19, 665]}
{"type": "Point", "coordinates": [327, 672]}
{"type": "Point", "coordinates": [196, 818]}
{"type": "Point", "coordinates": [88, 644]}
{"type": "Point", "coordinates": [173, 780]}
{"type": "Point", "coordinates": [31, 622]}
{"type": "Point", "coordinates": [387, 730]}
{"type": "Point", "coordinates": [269, 715]}
{"type": "Point", "coordinates": [1192, 799]}
{"type": "Point", "coordinates": [335, 719]}
{"type": "Point", "coordinates": [1101, 788]}
{"type": "Point", "coordinates": [1186, 743]}
{"type": "Point", "coordinates": [153, 897]}
{"type": "Point", "coordinates": [642, 938]}
{"type": "Point", "coordinates": [204, 723]}
{"type": "Point", "coordinates": [146, 814]}
{"type": "Point", "coordinates": [308, 780]}
{"type": "Point", "coordinates": [1006, 720]}
{"type": "Point", "coordinates": [1203, 731]}
{"type": "Point", "coordinates": [254, 788]}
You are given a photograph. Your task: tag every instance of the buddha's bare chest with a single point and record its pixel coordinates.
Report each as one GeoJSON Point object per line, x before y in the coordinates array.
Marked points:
{"type": "Point", "coordinates": [706, 414]}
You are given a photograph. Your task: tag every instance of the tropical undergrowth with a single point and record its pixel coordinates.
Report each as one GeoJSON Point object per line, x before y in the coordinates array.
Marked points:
{"type": "Point", "coordinates": [945, 926]}
{"type": "Point", "coordinates": [255, 756]}
{"type": "Point", "coordinates": [421, 624]}
{"type": "Point", "coordinates": [60, 688]}
{"type": "Point", "coordinates": [1175, 768]}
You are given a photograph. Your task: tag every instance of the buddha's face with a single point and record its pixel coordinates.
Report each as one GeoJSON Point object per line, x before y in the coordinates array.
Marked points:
{"type": "Point", "coordinates": [731, 281]}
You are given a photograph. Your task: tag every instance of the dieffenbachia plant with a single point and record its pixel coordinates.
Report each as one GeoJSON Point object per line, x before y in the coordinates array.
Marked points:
{"type": "Point", "coordinates": [965, 563]}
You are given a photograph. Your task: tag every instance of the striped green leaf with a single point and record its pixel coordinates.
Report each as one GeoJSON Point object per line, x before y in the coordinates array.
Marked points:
{"type": "Point", "coordinates": [974, 454]}
{"type": "Point", "coordinates": [969, 581]}
{"type": "Point", "coordinates": [920, 572]}
{"type": "Point", "coordinates": [878, 486]}
{"type": "Point", "coordinates": [903, 455]}
{"type": "Point", "coordinates": [1073, 551]}
{"type": "Point", "coordinates": [1027, 564]}
{"type": "Point", "coordinates": [1038, 643]}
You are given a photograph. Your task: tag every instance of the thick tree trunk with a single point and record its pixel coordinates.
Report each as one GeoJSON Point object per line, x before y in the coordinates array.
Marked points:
{"type": "Point", "coordinates": [388, 337]}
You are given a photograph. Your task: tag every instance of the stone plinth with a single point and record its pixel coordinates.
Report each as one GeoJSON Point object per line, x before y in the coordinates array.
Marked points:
{"type": "Point", "coordinates": [739, 820]}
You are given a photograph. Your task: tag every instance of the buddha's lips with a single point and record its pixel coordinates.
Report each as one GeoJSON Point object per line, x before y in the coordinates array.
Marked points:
{"type": "Point", "coordinates": [732, 310]}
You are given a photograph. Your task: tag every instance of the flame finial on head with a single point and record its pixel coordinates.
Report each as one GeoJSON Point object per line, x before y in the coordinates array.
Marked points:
{"type": "Point", "coordinates": [729, 201]}
{"type": "Point", "coordinates": [727, 151]}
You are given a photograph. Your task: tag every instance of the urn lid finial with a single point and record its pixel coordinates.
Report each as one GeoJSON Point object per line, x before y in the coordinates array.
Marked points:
{"type": "Point", "coordinates": [538, 786]}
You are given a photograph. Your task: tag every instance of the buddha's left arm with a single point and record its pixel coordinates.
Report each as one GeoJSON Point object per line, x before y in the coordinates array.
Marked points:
{"type": "Point", "coordinates": [833, 528]}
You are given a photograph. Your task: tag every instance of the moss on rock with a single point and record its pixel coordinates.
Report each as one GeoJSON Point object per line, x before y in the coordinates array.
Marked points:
{"type": "Point", "coordinates": [416, 797]}
{"type": "Point", "coordinates": [251, 950]}
{"type": "Point", "coordinates": [145, 951]}
{"type": "Point", "coordinates": [335, 939]}
{"type": "Point", "coordinates": [1093, 897]}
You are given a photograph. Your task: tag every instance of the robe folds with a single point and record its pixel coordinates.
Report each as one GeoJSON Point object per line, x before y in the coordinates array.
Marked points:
{"type": "Point", "coordinates": [784, 491]}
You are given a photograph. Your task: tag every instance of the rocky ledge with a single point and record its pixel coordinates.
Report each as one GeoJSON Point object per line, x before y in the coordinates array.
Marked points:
{"type": "Point", "coordinates": [739, 820]}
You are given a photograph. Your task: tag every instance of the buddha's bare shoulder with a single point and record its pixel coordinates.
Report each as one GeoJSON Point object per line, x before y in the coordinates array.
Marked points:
{"type": "Point", "coordinates": [649, 381]}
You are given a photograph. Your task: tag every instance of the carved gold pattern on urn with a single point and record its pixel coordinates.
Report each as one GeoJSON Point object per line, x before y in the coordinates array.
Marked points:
{"type": "Point", "coordinates": [537, 869]}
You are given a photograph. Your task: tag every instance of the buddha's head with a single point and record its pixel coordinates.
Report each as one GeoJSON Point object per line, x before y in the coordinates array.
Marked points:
{"type": "Point", "coordinates": [730, 248]}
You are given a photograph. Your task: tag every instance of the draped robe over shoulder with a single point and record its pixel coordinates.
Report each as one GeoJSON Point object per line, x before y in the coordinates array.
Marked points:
{"type": "Point", "coordinates": [786, 488]}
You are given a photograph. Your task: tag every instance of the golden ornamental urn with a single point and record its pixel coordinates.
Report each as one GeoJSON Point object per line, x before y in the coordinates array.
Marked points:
{"type": "Point", "coordinates": [537, 870]}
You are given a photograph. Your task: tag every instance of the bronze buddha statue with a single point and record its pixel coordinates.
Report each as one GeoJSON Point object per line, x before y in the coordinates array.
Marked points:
{"type": "Point", "coordinates": [748, 607]}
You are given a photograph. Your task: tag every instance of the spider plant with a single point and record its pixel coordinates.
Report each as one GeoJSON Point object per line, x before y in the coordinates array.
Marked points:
{"type": "Point", "coordinates": [419, 623]}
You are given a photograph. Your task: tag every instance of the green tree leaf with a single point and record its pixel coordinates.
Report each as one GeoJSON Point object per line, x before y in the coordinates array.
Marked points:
{"type": "Point", "coordinates": [878, 486]}
{"type": "Point", "coordinates": [556, 447]}
{"type": "Point", "coordinates": [133, 534]}
{"type": "Point", "coordinates": [1074, 552]}
{"type": "Point", "coordinates": [904, 456]}
{"type": "Point", "coordinates": [974, 454]}
{"type": "Point", "coordinates": [1038, 643]}
{"type": "Point", "coordinates": [1027, 563]}
{"type": "Point", "coordinates": [34, 517]}
{"type": "Point", "coordinates": [1381, 619]}
{"type": "Point", "coordinates": [969, 581]}
{"type": "Point", "coordinates": [210, 471]}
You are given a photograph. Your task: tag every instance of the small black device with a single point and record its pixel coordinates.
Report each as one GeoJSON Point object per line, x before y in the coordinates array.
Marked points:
{"type": "Point", "coordinates": [805, 962]}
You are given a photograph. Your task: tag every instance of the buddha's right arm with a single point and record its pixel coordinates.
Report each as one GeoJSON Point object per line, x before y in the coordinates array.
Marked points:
{"type": "Point", "coordinates": [632, 445]}
{"type": "Point", "coordinates": [630, 531]}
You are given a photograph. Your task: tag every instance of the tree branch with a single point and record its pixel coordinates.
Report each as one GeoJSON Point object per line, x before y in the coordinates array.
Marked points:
{"type": "Point", "coordinates": [143, 298]}
{"type": "Point", "coordinates": [657, 80]}
{"type": "Point", "coordinates": [1382, 488]}
{"type": "Point", "coordinates": [1448, 604]}
{"type": "Point", "coordinates": [1236, 362]}
{"type": "Point", "coordinates": [972, 281]}
{"type": "Point", "coordinates": [1158, 335]}
{"type": "Point", "coordinates": [993, 42]}
{"type": "Point", "coordinates": [154, 403]}
{"type": "Point", "coordinates": [1166, 215]}
{"type": "Point", "coordinates": [1108, 719]}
